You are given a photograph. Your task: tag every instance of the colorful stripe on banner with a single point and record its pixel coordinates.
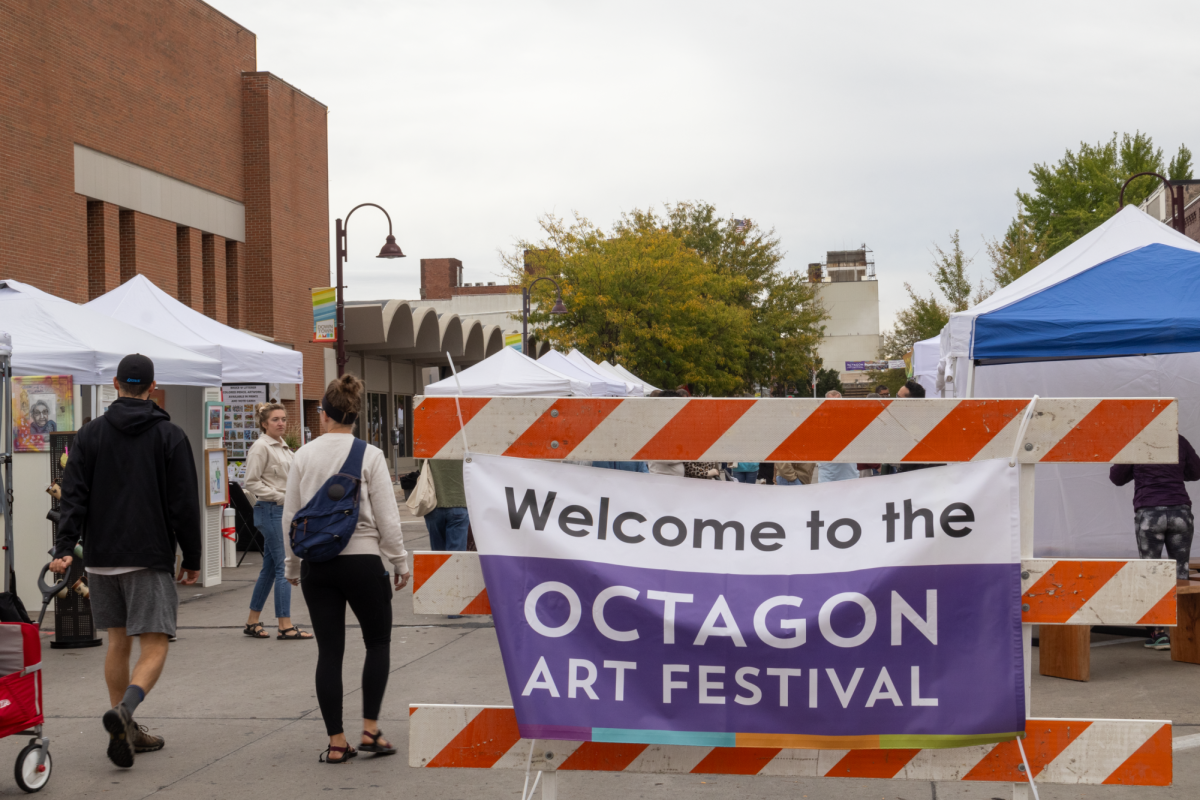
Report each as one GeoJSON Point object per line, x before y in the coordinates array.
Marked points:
{"type": "Point", "coordinates": [1083, 430]}
{"type": "Point", "coordinates": [1057, 592]}
{"type": "Point", "coordinates": [1060, 751]}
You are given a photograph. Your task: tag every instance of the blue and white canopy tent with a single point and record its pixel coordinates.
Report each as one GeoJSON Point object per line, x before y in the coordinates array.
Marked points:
{"type": "Point", "coordinates": [1116, 314]}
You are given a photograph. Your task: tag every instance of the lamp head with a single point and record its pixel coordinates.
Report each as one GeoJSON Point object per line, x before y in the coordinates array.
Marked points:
{"type": "Point", "coordinates": [559, 308]}
{"type": "Point", "coordinates": [391, 249]}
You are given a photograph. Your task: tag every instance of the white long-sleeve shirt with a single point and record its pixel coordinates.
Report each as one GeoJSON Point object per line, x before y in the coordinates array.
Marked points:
{"type": "Point", "coordinates": [267, 466]}
{"type": "Point", "coordinates": [378, 530]}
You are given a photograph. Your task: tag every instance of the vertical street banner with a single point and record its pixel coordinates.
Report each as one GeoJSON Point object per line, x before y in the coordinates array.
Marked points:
{"type": "Point", "coordinates": [324, 303]}
{"type": "Point", "coordinates": [881, 612]}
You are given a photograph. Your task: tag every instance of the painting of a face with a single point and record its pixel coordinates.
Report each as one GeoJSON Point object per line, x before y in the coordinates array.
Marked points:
{"type": "Point", "coordinates": [40, 413]}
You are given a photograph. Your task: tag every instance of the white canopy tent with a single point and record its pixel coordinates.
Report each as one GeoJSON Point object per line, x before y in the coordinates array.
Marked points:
{"type": "Point", "coordinates": [587, 365]}
{"type": "Point", "coordinates": [596, 388]}
{"type": "Point", "coordinates": [628, 377]}
{"type": "Point", "coordinates": [244, 358]}
{"type": "Point", "coordinates": [52, 336]}
{"type": "Point", "coordinates": [509, 374]}
{"type": "Point", "coordinates": [926, 356]}
{"type": "Point", "coordinates": [1112, 315]}
{"type": "Point", "coordinates": [1128, 230]}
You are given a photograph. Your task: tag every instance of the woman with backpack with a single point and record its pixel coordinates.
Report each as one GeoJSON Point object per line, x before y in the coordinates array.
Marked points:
{"type": "Point", "coordinates": [317, 489]}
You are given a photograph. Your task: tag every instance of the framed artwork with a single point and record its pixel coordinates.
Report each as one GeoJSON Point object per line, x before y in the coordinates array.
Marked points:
{"type": "Point", "coordinates": [41, 405]}
{"type": "Point", "coordinates": [216, 478]}
{"type": "Point", "coordinates": [214, 415]}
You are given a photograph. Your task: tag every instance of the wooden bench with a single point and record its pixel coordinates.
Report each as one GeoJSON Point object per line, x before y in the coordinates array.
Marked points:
{"type": "Point", "coordinates": [1185, 639]}
{"type": "Point", "coordinates": [1065, 651]}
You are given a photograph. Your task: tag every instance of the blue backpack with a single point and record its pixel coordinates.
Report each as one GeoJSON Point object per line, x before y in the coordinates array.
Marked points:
{"type": "Point", "coordinates": [322, 529]}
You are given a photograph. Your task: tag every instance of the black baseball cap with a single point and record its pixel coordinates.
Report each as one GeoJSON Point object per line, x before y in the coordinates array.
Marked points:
{"type": "Point", "coordinates": [136, 369]}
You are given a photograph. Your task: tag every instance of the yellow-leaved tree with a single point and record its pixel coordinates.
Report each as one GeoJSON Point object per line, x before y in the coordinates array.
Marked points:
{"type": "Point", "coordinates": [686, 299]}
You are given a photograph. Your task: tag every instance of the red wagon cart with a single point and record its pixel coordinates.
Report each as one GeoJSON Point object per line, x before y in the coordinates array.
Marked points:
{"type": "Point", "coordinates": [21, 702]}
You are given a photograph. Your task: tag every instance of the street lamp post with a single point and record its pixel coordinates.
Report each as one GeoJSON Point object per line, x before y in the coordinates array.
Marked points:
{"type": "Point", "coordinates": [559, 308]}
{"type": "Point", "coordinates": [1175, 192]}
{"type": "Point", "coordinates": [390, 250]}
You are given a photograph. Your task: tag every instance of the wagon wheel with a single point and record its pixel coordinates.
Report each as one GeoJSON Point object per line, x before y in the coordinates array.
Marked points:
{"type": "Point", "coordinates": [30, 775]}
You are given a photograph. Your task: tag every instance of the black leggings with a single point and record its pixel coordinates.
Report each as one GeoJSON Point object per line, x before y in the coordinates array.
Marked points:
{"type": "Point", "coordinates": [362, 582]}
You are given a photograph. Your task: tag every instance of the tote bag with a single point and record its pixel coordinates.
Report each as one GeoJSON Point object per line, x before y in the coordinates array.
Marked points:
{"type": "Point", "coordinates": [422, 499]}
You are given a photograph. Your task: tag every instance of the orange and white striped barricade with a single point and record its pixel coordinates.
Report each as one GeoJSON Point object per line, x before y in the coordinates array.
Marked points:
{"type": "Point", "coordinates": [448, 583]}
{"type": "Point", "coordinates": [1060, 430]}
{"type": "Point", "coordinates": [1054, 591]}
{"type": "Point", "coordinates": [1066, 751]}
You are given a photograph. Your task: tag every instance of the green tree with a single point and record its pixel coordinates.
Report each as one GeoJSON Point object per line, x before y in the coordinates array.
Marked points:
{"type": "Point", "coordinates": [1014, 254]}
{"type": "Point", "coordinates": [785, 308]}
{"type": "Point", "coordinates": [1081, 191]}
{"type": "Point", "coordinates": [924, 317]}
{"type": "Point", "coordinates": [641, 298]}
{"type": "Point", "coordinates": [1180, 168]}
{"type": "Point", "coordinates": [639, 292]}
{"type": "Point", "coordinates": [950, 274]}
{"type": "Point", "coordinates": [828, 380]}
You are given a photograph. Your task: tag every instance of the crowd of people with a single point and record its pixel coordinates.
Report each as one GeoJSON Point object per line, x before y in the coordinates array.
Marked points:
{"type": "Point", "coordinates": [130, 495]}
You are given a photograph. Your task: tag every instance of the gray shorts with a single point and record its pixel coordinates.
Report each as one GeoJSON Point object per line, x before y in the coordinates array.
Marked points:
{"type": "Point", "coordinates": [144, 601]}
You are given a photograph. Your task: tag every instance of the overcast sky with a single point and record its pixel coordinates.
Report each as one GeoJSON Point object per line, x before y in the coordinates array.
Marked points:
{"type": "Point", "coordinates": [838, 124]}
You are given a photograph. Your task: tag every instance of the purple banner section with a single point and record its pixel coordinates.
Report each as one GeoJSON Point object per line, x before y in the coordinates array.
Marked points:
{"type": "Point", "coordinates": [931, 650]}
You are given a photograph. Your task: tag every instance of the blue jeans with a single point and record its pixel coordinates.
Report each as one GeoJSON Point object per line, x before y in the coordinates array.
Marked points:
{"type": "Point", "coordinates": [624, 466]}
{"type": "Point", "coordinates": [746, 477]}
{"type": "Point", "coordinates": [268, 518]}
{"type": "Point", "coordinates": [780, 481]}
{"type": "Point", "coordinates": [447, 528]}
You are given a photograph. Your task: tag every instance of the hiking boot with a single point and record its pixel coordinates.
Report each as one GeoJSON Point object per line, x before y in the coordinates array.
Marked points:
{"type": "Point", "coordinates": [121, 732]}
{"type": "Point", "coordinates": [1162, 643]}
{"type": "Point", "coordinates": [146, 742]}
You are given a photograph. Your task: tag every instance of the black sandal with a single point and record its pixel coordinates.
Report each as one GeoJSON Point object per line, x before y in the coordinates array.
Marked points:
{"type": "Point", "coordinates": [375, 747]}
{"type": "Point", "coordinates": [349, 751]}
{"type": "Point", "coordinates": [255, 631]}
{"type": "Point", "coordinates": [296, 634]}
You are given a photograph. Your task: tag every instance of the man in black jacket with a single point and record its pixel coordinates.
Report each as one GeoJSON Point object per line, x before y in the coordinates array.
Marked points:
{"type": "Point", "coordinates": [130, 493]}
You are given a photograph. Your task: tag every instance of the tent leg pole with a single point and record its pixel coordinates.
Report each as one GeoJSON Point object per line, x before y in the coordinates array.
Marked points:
{"type": "Point", "coordinates": [971, 379]}
{"type": "Point", "coordinates": [6, 470]}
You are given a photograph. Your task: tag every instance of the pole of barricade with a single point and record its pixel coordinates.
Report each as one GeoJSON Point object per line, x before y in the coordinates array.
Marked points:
{"type": "Point", "coordinates": [1021, 790]}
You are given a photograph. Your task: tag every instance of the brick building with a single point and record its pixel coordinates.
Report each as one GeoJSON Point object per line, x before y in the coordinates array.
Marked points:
{"type": "Point", "coordinates": [138, 137]}
{"type": "Point", "coordinates": [1159, 206]}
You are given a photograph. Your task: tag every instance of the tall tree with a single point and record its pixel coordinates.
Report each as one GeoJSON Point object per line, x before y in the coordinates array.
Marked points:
{"type": "Point", "coordinates": [950, 274]}
{"type": "Point", "coordinates": [1180, 168]}
{"type": "Point", "coordinates": [926, 316]}
{"type": "Point", "coordinates": [1014, 254]}
{"type": "Point", "coordinates": [923, 319]}
{"type": "Point", "coordinates": [696, 265]}
{"type": "Point", "coordinates": [1081, 191]}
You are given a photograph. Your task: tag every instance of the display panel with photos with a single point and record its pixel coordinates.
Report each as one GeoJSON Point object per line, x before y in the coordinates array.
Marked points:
{"type": "Point", "coordinates": [240, 429]}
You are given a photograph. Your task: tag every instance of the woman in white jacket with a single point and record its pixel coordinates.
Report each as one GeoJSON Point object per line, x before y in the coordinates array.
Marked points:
{"type": "Point", "coordinates": [267, 466]}
{"type": "Point", "coordinates": [358, 576]}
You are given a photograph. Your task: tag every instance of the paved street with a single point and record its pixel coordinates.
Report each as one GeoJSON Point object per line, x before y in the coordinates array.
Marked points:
{"type": "Point", "coordinates": [241, 720]}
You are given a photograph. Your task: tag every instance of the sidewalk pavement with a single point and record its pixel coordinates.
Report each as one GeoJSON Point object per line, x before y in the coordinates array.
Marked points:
{"type": "Point", "coordinates": [240, 716]}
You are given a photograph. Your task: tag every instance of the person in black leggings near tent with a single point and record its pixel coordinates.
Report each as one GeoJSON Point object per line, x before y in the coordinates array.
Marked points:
{"type": "Point", "coordinates": [357, 576]}
{"type": "Point", "coordinates": [1162, 514]}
